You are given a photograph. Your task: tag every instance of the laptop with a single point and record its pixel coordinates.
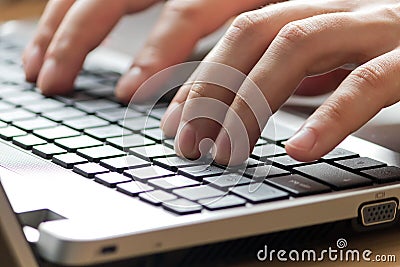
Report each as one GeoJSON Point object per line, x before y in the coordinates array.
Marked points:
{"type": "Point", "coordinates": [97, 182]}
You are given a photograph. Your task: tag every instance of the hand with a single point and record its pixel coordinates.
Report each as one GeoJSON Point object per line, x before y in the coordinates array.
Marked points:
{"type": "Point", "coordinates": [277, 47]}
{"type": "Point", "coordinates": [69, 30]}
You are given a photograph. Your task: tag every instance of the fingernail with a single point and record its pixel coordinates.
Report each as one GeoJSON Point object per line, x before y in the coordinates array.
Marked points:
{"type": "Point", "coordinates": [185, 142]}
{"type": "Point", "coordinates": [32, 63]}
{"type": "Point", "coordinates": [48, 75]}
{"type": "Point", "coordinates": [304, 139]}
{"type": "Point", "coordinates": [129, 83]}
{"type": "Point", "coordinates": [170, 120]}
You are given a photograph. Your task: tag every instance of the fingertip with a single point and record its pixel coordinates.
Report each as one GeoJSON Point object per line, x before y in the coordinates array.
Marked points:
{"type": "Point", "coordinates": [302, 145]}
{"type": "Point", "coordinates": [53, 79]}
{"type": "Point", "coordinates": [32, 62]}
{"type": "Point", "coordinates": [171, 119]}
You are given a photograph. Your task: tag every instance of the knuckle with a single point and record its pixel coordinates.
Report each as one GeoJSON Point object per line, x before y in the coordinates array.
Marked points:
{"type": "Point", "coordinates": [294, 33]}
{"type": "Point", "coordinates": [245, 25]}
{"type": "Point", "coordinates": [331, 112]}
{"type": "Point", "coordinates": [43, 37]}
{"type": "Point", "coordinates": [188, 10]}
{"type": "Point", "coordinates": [370, 75]}
{"type": "Point", "coordinates": [198, 90]}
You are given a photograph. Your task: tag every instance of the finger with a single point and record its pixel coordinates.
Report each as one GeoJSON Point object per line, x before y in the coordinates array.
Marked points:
{"type": "Point", "coordinates": [48, 24]}
{"type": "Point", "coordinates": [181, 24]}
{"type": "Point", "coordinates": [244, 41]}
{"type": "Point", "coordinates": [310, 46]}
{"type": "Point", "coordinates": [361, 96]}
{"type": "Point", "coordinates": [85, 25]}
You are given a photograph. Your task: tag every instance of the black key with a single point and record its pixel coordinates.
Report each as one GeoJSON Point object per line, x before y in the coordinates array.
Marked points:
{"type": "Point", "coordinates": [224, 202]}
{"type": "Point", "coordinates": [140, 123]}
{"type": "Point", "coordinates": [146, 173]}
{"type": "Point", "coordinates": [334, 176]}
{"type": "Point", "coordinates": [173, 163]}
{"type": "Point", "coordinates": [68, 160]}
{"type": "Point", "coordinates": [339, 153]}
{"type": "Point", "coordinates": [122, 163]}
{"type": "Point", "coordinates": [28, 141]}
{"type": "Point", "coordinates": [198, 192]}
{"type": "Point", "coordinates": [85, 122]}
{"type": "Point", "coordinates": [269, 150]}
{"type": "Point", "coordinates": [129, 141]}
{"type": "Point", "coordinates": [133, 188]}
{"type": "Point", "coordinates": [264, 171]}
{"type": "Point", "coordinates": [298, 185]}
{"type": "Point", "coordinates": [108, 131]}
{"type": "Point", "coordinates": [156, 197]}
{"type": "Point", "coordinates": [47, 151]}
{"type": "Point", "coordinates": [77, 142]}
{"type": "Point", "coordinates": [384, 174]}
{"type": "Point", "coordinates": [16, 115]}
{"type": "Point", "coordinates": [89, 170]}
{"type": "Point", "coordinates": [56, 133]}
{"type": "Point", "coordinates": [63, 114]}
{"type": "Point", "coordinates": [228, 180]}
{"type": "Point", "coordinates": [172, 182]}
{"type": "Point", "coordinates": [154, 151]}
{"type": "Point", "coordinates": [117, 114]}
{"type": "Point", "coordinates": [44, 105]}
{"type": "Point", "coordinates": [111, 179]}
{"type": "Point", "coordinates": [288, 161]}
{"type": "Point", "coordinates": [249, 163]}
{"type": "Point", "coordinates": [201, 171]}
{"type": "Point", "coordinates": [91, 106]}
{"type": "Point", "coordinates": [182, 206]}
{"type": "Point", "coordinates": [276, 132]}
{"type": "Point", "coordinates": [9, 132]}
{"type": "Point", "coordinates": [360, 163]}
{"type": "Point", "coordinates": [100, 152]}
{"type": "Point", "coordinates": [258, 192]}
{"type": "Point", "coordinates": [34, 124]}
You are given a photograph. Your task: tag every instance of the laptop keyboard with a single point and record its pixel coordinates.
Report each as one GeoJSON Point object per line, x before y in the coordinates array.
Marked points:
{"type": "Point", "coordinates": [92, 134]}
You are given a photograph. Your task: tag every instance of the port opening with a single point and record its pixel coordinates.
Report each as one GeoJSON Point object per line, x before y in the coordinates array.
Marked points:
{"type": "Point", "coordinates": [108, 250]}
{"type": "Point", "coordinates": [378, 212]}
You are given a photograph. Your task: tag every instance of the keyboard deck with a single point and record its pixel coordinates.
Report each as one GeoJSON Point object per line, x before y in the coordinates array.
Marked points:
{"type": "Point", "coordinates": [124, 149]}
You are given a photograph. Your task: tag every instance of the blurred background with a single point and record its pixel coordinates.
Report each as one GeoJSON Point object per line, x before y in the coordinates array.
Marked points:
{"type": "Point", "coordinates": [18, 9]}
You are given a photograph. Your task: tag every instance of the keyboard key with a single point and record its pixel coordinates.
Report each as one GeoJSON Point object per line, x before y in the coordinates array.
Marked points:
{"type": "Point", "coordinates": [153, 151]}
{"type": "Point", "coordinates": [198, 192]}
{"type": "Point", "coordinates": [24, 98]}
{"type": "Point", "coordinates": [117, 114]}
{"type": "Point", "coordinates": [155, 134]}
{"type": "Point", "coordinates": [128, 141]}
{"type": "Point", "coordinates": [261, 142]}
{"type": "Point", "coordinates": [172, 182]}
{"type": "Point", "coordinates": [74, 97]}
{"type": "Point", "coordinates": [269, 150]}
{"type": "Point", "coordinates": [276, 132]}
{"type": "Point", "coordinates": [133, 188]}
{"type": "Point", "coordinates": [44, 105]}
{"type": "Point", "coordinates": [34, 124]}
{"type": "Point", "coordinates": [157, 113]}
{"type": "Point", "coordinates": [288, 161]}
{"type": "Point", "coordinates": [182, 206]}
{"type": "Point", "coordinates": [384, 174]}
{"type": "Point", "coordinates": [111, 179]}
{"type": "Point", "coordinates": [122, 163]}
{"type": "Point", "coordinates": [140, 123]}
{"type": "Point", "coordinates": [229, 201]}
{"type": "Point", "coordinates": [264, 171]}
{"type": "Point", "coordinates": [108, 131]}
{"type": "Point", "coordinates": [201, 171]}
{"type": "Point", "coordinates": [16, 115]}
{"type": "Point", "coordinates": [68, 160]}
{"type": "Point", "coordinates": [3, 124]}
{"type": "Point", "coordinates": [6, 106]}
{"type": "Point", "coordinates": [298, 185]}
{"type": "Point", "coordinates": [169, 143]}
{"type": "Point", "coordinates": [28, 141]}
{"type": "Point", "coordinates": [156, 197]}
{"type": "Point", "coordinates": [63, 114]}
{"type": "Point", "coordinates": [89, 170]}
{"type": "Point", "coordinates": [77, 142]}
{"type": "Point", "coordinates": [339, 153]}
{"type": "Point", "coordinates": [227, 180]}
{"type": "Point", "coordinates": [85, 122]}
{"type": "Point", "coordinates": [100, 152]}
{"type": "Point", "coordinates": [9, 132]}
{"type": "Point", "coordinates": [360, 163]}
{"type": "Point", "coordinates": [258, 192]}
{"type": "Point", "coordinates": [146, 173]}
{"type": "Point", "coordinates": [334, 176]}
{"type": "Point", "coordinates": [55, 133]}
{"type": "Point", "coordinates": [91, 106]}
{"type": "Point", "coordinates": [47, 151]}
{"type": "Point", "coordinates": [173, 163]}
